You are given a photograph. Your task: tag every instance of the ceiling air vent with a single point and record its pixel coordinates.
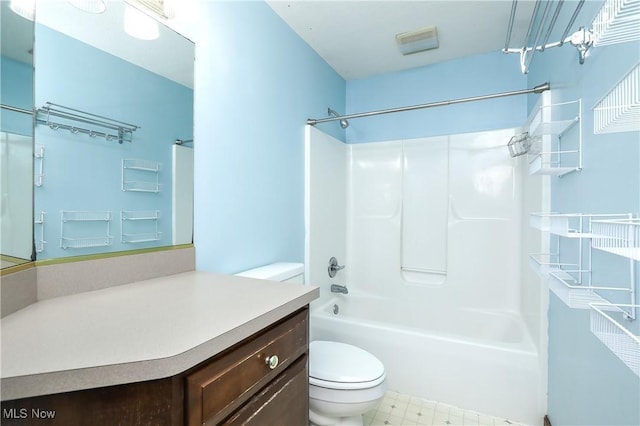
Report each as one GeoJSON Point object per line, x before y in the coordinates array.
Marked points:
{"type": "Point", "coordinates": [418, 41]}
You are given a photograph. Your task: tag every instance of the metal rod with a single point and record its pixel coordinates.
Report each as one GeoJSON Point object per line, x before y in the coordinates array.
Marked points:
{"type": "Point", "coordinates": [533, 18]}
{"type": "Point", "coordinates": [552, 24]}
{"type": "Point", "coordinates": [183, 141]}
{"type": "Point", "coordinates": [510, 27]}
{"type": "Point", "coordinates": [573, 19]}
{"type": "Point", "coordinates": [528, 60]}
{"type": "Point", "coordinates": [537, 89]}
{"type": "Point", "coordinates": [16, 109]}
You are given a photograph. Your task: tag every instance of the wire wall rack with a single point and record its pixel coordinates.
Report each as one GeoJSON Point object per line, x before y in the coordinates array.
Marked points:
{"type": "Point", "coordinates": [61, 117]}
{"type": "Point", "coordinates": [572, 282]}
{"type": "Point", "coordinates": [554, 148]}
{"type": "Point", "coordinates": [619, 110]}
{"type": "Point", "coordinates": [608, 327]}
{"type": "Point", "coordinates": [618, 236]}
{"type": "Point", "coordinates": [38, 231]}
{"type": "Point", "coordinates": [140, 175]}
{"type": "Point", "coordinates": [615, 22]}
{"type": "Point", "coordinates": [139, 226]}
{"type": "Point", "coordinates": [38, 164]}
{"type": "Point", "coordinates": [84, 229]}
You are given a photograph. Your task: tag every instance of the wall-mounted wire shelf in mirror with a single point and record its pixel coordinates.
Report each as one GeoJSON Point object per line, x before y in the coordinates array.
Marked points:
{"type": "Point", "coordinates": [619, 110]}
{"type": "Point", "coordinates": [84, 229]}
{"type": "Point", "coordinates": [38, 164]}
{"type": "Point", "coordinates": [140, 175]}
{"type": "Point", "coordinates": [61, 117]}
{"type": "Point", "coordinates": [139, 226]}
{"type": "Point", "coordinates": [39, 241]}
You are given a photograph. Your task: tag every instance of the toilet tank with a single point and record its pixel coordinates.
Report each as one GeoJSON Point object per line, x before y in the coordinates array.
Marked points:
{"type": "Point", "coordinates": [280, 271]}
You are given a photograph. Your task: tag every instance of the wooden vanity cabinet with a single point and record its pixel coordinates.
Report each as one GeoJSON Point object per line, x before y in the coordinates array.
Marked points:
{"type": "Point", "coordinates": [243, 385]}
{"type": "Point", "coordinates": [252, 370]}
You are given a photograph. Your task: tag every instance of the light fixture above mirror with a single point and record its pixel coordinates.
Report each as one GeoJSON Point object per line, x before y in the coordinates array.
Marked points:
{"type": "Point", "coordinates": [140, 25]}
{"type": "Point", "coordinates": [89, 6]}
{"type": "Point", "coordinates": [24, 8]}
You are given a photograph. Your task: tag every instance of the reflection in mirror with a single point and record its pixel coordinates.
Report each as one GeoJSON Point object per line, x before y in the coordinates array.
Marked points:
{"type": "Point", "coordinates": [16, 137]}
{"type": "Point", "coordinates": [109, 110]}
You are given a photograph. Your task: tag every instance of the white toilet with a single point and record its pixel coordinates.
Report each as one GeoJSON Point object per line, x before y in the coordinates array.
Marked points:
{"type": "Point", "coordinates": [344, 381]}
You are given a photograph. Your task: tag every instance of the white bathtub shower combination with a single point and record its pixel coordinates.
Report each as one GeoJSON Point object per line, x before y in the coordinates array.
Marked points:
{"type": "Point", "coordinates": [431, 232]}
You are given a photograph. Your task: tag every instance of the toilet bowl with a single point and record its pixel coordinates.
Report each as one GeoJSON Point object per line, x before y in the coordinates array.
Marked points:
{"type": "Point", "coordinates": [344, 381]}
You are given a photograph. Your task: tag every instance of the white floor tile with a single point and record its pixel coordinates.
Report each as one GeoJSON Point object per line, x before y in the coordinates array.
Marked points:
{"type": "Point", "coordinates": [397, 409]}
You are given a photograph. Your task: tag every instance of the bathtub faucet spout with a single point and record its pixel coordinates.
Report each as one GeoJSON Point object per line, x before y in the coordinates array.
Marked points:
{"type": "Point", "coordinates": [336, 288]}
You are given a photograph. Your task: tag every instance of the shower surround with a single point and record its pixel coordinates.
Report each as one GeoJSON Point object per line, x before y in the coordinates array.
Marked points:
{"type": "Point", "coordinates": [433, 236]}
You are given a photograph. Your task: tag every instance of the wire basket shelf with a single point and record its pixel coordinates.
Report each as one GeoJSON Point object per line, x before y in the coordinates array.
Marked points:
{"type": "Point", "coordinates": [144, 165]}
{"type": "Point", "coordinates": [141, 238]}
{"type": "Point", "coordinates": [85, 242]}
{"type": "Point", "coordinates": [621, 237]}
{"type": "Point", "coordinates": [579, 296]}
{"type": "Point", "coordinates": [140, 214]}
{"type": "Point", "coordinates": [85, 216]}
{"type": "Point", "coordinates": [621, 341]}
{"type": "Point", "coordinates": [544, 264]}
{"type": "Point", "coordinates": [619, 110]}
{"type": "Point", "coordinates": [616, 22]}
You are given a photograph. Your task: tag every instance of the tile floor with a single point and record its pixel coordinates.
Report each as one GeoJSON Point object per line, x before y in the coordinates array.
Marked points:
{"type": "Point", "coordinates": [397, 409]}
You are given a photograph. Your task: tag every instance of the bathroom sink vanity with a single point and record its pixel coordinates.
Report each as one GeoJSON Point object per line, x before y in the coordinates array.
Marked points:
{"type": "Point", "coordinates": [192, 348]}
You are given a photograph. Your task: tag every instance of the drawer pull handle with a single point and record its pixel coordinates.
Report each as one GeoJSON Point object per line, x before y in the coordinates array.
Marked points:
{"type": "Point", "coordinates": [271, 361]}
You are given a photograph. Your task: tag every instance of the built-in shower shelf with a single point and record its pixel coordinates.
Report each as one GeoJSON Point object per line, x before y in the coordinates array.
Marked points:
{"type": "Point", "coordinates": [624, 343]}
{"type": "Point", "coordinates": [546, 263]}
{"type": "Point", "coordinates": [619, 236]}
{"type": "Point", "coordinates": [619, 110]}
{"type": "Point", "coordinates": [575, 295]}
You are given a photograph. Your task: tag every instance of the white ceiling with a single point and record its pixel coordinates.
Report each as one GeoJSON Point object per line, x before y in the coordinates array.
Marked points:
{"type": "Point", "coordinates": [171, 55]}
{"type": "Point", "coordinates": [357, 38]}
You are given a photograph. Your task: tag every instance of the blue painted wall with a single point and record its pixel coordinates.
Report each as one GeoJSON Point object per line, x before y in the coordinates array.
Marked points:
{"type": "Point", "coordinates": [588, 385]}
{"type": "Point", "coordinates": [84, 173]}
{"type": "Point", "coordinates": [471, 76]}
{"type": "Point", "coordinates": [16, 90]}
{"type": "Point", "coordinates": [256, 84]}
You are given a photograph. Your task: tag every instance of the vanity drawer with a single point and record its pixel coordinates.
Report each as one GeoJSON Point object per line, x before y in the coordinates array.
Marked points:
{"type": "Point", "coordinates": [219, 388]}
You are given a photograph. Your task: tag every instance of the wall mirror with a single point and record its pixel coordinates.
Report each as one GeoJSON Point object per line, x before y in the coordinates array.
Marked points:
{"type": "Point", "coordinates": [16, 137]}
{"type": "Point", "coordinates": [109, 108]}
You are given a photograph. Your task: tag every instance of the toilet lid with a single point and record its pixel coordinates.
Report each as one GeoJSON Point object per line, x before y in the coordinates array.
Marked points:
{"type": "Point", "coordinates": [335, 364]}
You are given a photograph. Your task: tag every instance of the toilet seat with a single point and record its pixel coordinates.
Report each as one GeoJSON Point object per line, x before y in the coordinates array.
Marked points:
{"type": "Point", "coordinates": [336, 365]}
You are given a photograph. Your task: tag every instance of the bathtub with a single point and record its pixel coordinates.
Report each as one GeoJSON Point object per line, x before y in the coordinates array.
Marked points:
{"type": "Point", "coordinates": [477, 360]}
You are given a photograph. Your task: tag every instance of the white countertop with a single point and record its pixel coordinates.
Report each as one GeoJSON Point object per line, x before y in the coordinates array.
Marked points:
{"type": "Point", "coordinates": [142, 331]}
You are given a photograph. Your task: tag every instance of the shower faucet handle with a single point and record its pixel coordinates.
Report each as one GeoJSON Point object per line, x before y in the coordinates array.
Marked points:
{"type": "Point", "coordinates": [333, 267]}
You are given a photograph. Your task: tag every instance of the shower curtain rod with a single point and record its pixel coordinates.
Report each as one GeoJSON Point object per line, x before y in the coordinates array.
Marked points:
{"type": "Point", "coordinates": [537, 89]}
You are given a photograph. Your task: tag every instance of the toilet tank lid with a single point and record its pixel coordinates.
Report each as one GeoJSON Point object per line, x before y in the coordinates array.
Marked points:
{"type": "Point", "coordinates": [342, 363]}
{"type": "Point", "coordinates": [279, 271]}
